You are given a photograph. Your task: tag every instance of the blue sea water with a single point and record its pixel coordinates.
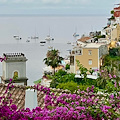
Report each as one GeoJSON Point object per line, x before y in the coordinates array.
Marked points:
{"type": "Point", "coordinates": [59, 27]}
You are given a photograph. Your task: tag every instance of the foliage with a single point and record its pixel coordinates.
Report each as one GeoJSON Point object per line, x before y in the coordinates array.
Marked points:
{"type": "Point", "coordinates": [67, 67]}
{"type": "Point", "coordinates": [80, 106]}
{"type": "Point", "coordinates": [83, 70]}
{"type": "Point", "coordinates": [37, 81]}
{"type": "Point", "coordinates": [112, 61]}
{"type": "Point", "coordinates": [114, 52]}
{"type": "Point", "coordinates": [112, 18]}
{"type": "Point", "coordinates": [112, 12]}
{"type": "Point", "coordinates": [61, 77]}
{"type": "Point", "coordinates": [99, 36]}
{"type": "Point", "coordinates": [72, 86]}
{"type": "Point", "coordinates": [15, 77]}
{"type": "Point", "coordinates": [53, 59]}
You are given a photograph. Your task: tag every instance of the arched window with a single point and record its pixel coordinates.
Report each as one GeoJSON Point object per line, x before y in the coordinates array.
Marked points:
{"type": "Point", "coordinates": [15, 76]}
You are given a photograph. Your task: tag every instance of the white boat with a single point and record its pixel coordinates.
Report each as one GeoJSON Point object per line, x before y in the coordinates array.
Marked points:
{"type": "Point", "coordinates": [49, 38]}
{"type": "Point", "coordinates": [50, 47]}
{"type": "Point", "coordinates": [17, 37]}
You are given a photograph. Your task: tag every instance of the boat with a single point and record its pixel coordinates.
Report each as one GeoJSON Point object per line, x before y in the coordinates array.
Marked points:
{"type": "Point", "coordinates": [49, 38]}
{"type": "Point", "coordinates": [42, 41]}
{"type": "Point", "coordinates": [34, 37]}
{"type": "Point", "coordinates": [68, 42]}
{"type": "Point", "coordinates": [27, 40]}
{"type": "Point", "coordinates": [75, 35]}
{"type": "Point", "coordinates": [50, 47]}
{"type": "Point", "coordinates": [17, 37]}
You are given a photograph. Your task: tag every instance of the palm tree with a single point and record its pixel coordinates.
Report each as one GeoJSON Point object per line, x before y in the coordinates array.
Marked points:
{"type": "Point", "coordinates": [53, 59]}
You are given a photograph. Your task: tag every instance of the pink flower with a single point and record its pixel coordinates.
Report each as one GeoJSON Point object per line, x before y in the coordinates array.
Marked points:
{"type": "Point", "coordinates": [110, 76]}
{"type": "Point", "coordinates": [112, 96]}
{"type": "Point", "coordinates": [114, 76]}
{"type": "Point", "coordinates": [102, 70]}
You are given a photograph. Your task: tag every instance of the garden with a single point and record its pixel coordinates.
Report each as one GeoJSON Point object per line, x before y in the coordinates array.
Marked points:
{"type": "Point", "coordinates": [86, 99]}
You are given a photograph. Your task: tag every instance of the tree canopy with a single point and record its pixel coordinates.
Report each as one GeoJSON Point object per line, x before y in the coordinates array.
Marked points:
{"type": "Point", "coordinates": [53, 59]}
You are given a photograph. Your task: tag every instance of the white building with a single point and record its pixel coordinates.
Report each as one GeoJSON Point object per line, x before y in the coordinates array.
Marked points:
{"type": "Point", "coordinates": [14, 67]}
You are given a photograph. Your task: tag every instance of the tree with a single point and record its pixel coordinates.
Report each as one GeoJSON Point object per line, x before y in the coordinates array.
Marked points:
{"type": "Point", "coordinates": [53, 59]}
{"type": "Point", "coordinates": [112, 12]}
{"type": "Point", "coordinates": [83, 70]}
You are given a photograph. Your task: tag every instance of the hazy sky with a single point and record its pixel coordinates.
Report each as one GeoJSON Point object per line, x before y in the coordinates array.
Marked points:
{"type": "Point", "coordinates": [85, 7]}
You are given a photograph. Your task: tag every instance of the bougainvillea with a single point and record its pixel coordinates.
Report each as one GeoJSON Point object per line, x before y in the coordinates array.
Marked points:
{"type": "Point", "coordinates": [80, 106]}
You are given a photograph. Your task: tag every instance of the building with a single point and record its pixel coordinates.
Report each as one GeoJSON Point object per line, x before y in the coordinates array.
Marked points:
{"type": "Point", "coordinates": [89, 55]}
{"type": "Point", "coordinates": [112, 33]}
{"type": "Point", "coordinates": [117, 13]}
{"type": "Point", "coordinates": [14, 67]}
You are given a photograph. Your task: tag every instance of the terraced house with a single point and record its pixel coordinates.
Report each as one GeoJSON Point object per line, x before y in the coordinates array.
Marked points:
{"type": "Point", "coordinates": [89, 55]}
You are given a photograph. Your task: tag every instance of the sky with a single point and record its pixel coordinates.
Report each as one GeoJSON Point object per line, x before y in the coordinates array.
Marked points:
{"type": "Point", "coordinates": [58, 7]}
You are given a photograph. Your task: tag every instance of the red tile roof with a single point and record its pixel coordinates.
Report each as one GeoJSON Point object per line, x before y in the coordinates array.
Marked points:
{"type": "Point", "coordinates": [83, 39]}
{"type": "Point", "coordinates": [117, 8]}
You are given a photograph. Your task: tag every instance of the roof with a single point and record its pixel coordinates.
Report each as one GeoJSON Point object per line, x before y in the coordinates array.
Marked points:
{"type": "Point", "coordinates": [117, 8]}
{"type": "Point", "coordinates": [18, 95]}
{"type": "Point", "coordinates": [117, 14]}
{"type": "Point", "coordinates": [83, 39]}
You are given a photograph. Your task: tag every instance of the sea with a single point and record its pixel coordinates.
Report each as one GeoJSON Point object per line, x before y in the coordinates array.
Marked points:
{"type": "Point", "coordinates": [61, 28]}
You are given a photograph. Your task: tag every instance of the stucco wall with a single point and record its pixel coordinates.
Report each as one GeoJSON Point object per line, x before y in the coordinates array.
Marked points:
{"type": "Point", "coordinates": [85, 57]}
{"type": "Point", "coordinates": [11, 67]}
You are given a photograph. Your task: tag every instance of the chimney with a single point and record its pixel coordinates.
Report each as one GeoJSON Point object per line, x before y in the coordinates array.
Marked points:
{"type": "Point", "coordinates": [31, 99]}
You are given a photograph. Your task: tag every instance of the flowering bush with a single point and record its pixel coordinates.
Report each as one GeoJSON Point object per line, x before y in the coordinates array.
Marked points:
{"type": "Point", "coordinates": [80, 106]}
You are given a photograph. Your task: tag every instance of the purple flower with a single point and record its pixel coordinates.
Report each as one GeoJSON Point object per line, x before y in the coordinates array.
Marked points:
{"type": "Point", "coordinates": [10, 79]}
{"type": "Point", "coordinates": [112, 96]}
{"type": "Point", "coordinates": [14, 107]}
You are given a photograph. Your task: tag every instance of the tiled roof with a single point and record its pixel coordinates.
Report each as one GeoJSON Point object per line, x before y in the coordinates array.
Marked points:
{"type": "Point", "coordinates": [18, 95]}
{"type": "Point", "coordinates": [83, 39]}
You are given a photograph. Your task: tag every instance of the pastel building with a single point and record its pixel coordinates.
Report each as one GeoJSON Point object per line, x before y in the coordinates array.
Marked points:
{"type": "Point", "coordinates": [14, 67]}
{"type": "Point", "coordinates": [89, 55]}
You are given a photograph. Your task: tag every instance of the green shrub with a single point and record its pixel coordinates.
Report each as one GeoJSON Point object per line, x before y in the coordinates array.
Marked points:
{"type": "Point", "coordinates": [72, 86]}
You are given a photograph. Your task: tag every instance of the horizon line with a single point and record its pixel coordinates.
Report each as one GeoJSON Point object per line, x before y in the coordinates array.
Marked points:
{"type": "Point", "coordinates": [54, 14]}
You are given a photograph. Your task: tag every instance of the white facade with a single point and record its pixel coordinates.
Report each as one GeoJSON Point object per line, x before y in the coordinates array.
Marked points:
{"type": "Point", "coordinates": [14, 66]}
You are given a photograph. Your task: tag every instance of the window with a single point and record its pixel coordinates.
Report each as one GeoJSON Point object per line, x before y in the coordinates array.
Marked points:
{"type": "Point", "coordinates": [89, 52]}
{"type": "Point", "coordinates": [15, 75]}
{"type": "Point", "coordinates": [90, 62]}
{"type": "Point", "coordinates": [78, 52]}
{"type": "Point", "coordinates": [71, 60]}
